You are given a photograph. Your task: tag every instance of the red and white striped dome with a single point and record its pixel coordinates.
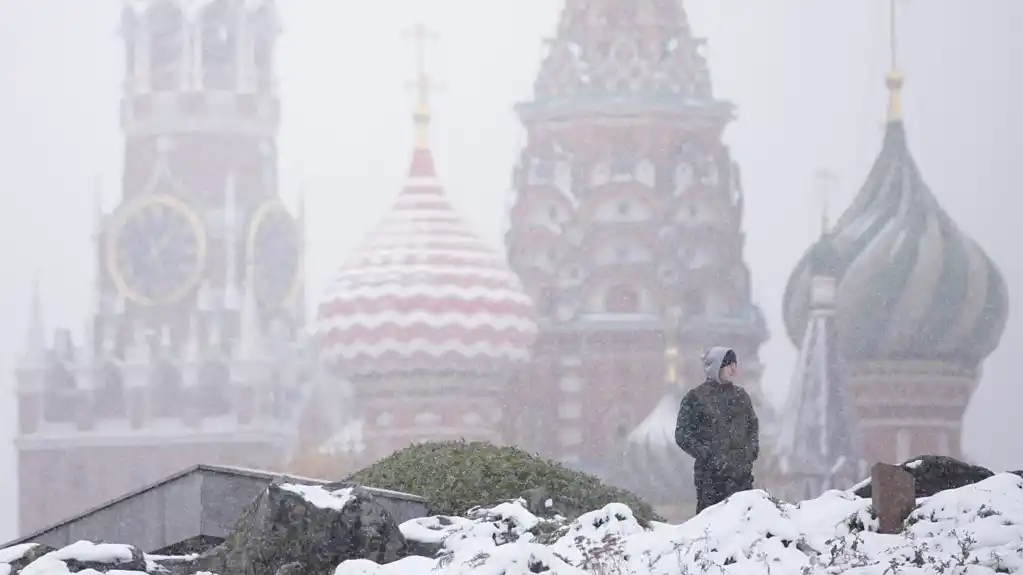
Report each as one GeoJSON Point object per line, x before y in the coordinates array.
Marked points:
{"type": "Point", "coordinates": [425, 293]}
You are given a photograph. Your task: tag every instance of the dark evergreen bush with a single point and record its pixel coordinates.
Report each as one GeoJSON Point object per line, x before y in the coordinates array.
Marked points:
{"type": "Point", "coordinates": [455, 476]}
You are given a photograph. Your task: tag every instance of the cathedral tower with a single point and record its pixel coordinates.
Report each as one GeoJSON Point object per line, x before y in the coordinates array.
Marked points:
{"type": "Point", "coordinates": [918, 305]}
{"type": "Point", "coordinates": [425, 319]}
{"type": "Point", "coordinates": [190, 352]}
{"type": "Point", "coordinates": [626, 212]}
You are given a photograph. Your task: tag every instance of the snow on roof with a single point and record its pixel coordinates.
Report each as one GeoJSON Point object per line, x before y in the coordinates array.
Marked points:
{"type": "Point", "coordinates": [979, 525]}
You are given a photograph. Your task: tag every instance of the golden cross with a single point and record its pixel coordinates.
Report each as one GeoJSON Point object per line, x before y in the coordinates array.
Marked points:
{"type": "Point", "coordinates": [420, 34]}
{"type": "Point", "coordinates": [670, 347]}
{"type": "Point", "coordinates": [894, 77]}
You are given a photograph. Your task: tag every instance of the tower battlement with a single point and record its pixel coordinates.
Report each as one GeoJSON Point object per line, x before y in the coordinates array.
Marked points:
{"type": "Point", "coordinates": [210, 61]}
{"type": "Point", "coordinates": [159, 389]}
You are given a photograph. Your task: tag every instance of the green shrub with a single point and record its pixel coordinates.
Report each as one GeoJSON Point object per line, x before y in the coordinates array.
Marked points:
{"type": "Point", "coordinates": [455, 476]}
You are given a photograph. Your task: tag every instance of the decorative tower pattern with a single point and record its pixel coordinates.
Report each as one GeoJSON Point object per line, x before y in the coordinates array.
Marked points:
{"type": "Point", "coordinates": [192, 352]}
{"type": "Point", "coordinates": [425, 319]}
{"type": "Point", "coordinates": [817, 448]}
{"type": "Point", "coordinates": [919, 305]}
{"type": "Point", "coordinates": [626, 209]}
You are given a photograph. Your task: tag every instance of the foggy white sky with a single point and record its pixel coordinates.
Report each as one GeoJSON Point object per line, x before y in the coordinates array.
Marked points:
{"type": "Point", "coordinates": [805, 74]}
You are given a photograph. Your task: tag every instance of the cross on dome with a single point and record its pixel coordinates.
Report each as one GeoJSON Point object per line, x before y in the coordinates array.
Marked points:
{"type": "Point", "coordinates": [423, 84]}
{"type": "Point", "coordinates": [894, 79]}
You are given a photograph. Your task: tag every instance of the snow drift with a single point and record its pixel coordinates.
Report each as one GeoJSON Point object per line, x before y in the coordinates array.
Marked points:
{"type": "Point", "coordinates": [974, 530]}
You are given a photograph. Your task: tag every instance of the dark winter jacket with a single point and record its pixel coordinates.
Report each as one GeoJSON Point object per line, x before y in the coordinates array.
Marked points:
{"type": "Point", "coordinates": [717, 425]}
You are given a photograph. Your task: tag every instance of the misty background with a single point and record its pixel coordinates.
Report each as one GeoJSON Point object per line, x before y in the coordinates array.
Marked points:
{"type": "Point", "coordinates": [806, 75]}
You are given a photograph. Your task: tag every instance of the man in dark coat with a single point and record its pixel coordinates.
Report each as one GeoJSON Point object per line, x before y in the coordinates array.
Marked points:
{"type": "Point", "coordinates": [718, 427]}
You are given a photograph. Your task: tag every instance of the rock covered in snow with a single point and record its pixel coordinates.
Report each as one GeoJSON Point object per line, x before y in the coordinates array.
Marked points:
{"type": "Point", "coordinates": [500, 524]}
{"type": "Point", "coordinates": [935, 473]}
{"type": "Point", "coordinates": [305, 529]}
{"type": "Point", "coordinates": [16, 557]}
{"type": "Point", "coordinates": [978, 528]}
{"type": "Point", "coordinates": [81, 557]}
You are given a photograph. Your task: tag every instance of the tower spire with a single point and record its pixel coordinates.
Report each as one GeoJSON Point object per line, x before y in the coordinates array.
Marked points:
{"type": "Point", "coordinates": [825, 179]}
{"type": "Point", "coordinates": [894, 79]}
{"type": "Point", "coordinates": [671, 348]}
{"type": "Point", "coordinates": [35, 335]}
{"type": "Point", "coordinates": [423, 86]}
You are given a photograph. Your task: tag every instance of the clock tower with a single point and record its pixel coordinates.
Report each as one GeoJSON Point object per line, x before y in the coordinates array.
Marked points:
{"type": "Point", "coordinates": [193, 350]}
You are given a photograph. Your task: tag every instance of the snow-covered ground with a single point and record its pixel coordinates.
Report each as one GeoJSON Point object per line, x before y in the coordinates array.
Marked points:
{"type": "Point", "coordinates": [973, 530]}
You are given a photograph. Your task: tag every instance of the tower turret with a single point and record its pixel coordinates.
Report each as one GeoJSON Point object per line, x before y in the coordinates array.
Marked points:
{"type": "Point", "coordinates": [626, 204]}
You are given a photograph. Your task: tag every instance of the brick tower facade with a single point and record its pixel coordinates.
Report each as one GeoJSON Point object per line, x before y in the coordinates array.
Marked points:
{"type": "Point", "coordinates": [625, 225]}
{"type": "Point", "coordinates": [191, 353]}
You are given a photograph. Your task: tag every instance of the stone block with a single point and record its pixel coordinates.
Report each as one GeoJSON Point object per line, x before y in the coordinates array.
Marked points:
{"type": "Point", "coordinates": [893, 494]}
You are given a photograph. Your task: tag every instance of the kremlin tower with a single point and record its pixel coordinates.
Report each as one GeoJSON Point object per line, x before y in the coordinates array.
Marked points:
{"type": "Point", "coordinates": [918, 305]}
{"type": "Point", "coordinates": [625, 227]}
{"type": "Point", "coordinates": [426, 320]}
{"type": "Point", "coordinates": [193, 351]}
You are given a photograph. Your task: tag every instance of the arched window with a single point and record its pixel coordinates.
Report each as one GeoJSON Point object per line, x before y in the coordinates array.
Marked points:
{"type": "Point", "coordinates": [220, 46]}
{"type": "Point", "coordinates": [166, 48]}
{"type": "Point", "coordinates": [621, 299]}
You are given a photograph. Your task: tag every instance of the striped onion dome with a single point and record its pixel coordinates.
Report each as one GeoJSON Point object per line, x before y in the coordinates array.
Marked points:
{"type": "Point", "coordinates": [425, 293]}
{"type": "Point", "coordinates": [651, 464]}
{"type": "Point", "coordinates": [912, 285]}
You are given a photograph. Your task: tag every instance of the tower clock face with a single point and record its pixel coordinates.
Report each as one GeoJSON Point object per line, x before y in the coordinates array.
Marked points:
{"type": "Point", "coordinates": [275, 249]}
{"type": "Point", "coordinates": [156, 250]}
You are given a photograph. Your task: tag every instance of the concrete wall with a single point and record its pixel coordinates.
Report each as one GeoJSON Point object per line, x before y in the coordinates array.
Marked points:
{"type": "Point", "coordinates": [201, 505]}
